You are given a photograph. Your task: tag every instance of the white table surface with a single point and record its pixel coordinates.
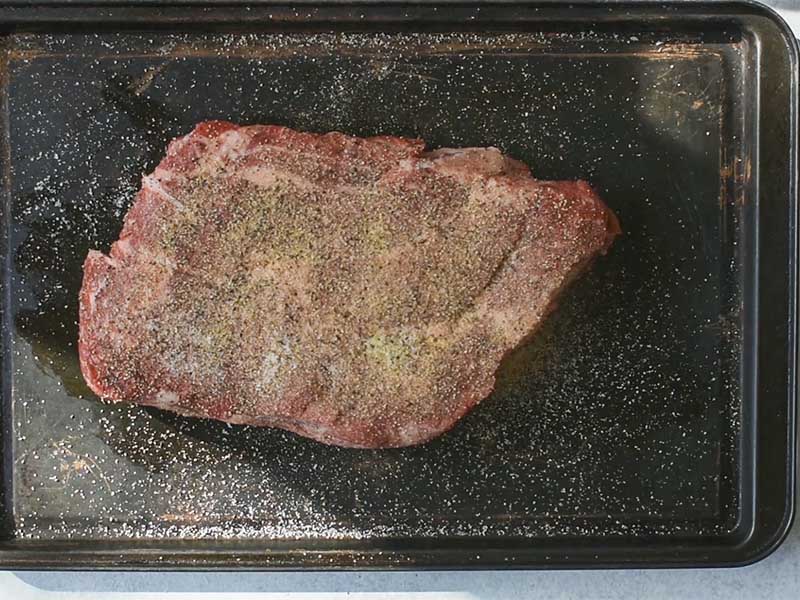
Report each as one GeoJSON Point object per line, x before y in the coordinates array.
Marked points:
{"type": "Point", "coordinates": [774, 578]}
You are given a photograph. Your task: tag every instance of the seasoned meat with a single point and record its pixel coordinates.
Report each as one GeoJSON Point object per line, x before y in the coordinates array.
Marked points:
{"type": "Point", "coordinates": [361, 292]}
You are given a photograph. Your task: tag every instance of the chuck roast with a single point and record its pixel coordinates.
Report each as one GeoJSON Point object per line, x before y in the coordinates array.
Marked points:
{"type": "Point", "coordinates": [361, 292]}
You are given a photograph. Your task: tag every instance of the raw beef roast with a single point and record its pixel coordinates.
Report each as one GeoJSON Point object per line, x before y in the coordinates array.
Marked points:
{"type": "Point", "coordinates": [361, 292]}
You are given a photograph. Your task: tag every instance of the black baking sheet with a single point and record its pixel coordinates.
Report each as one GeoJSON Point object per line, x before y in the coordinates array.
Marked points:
{"type": "Point", "coordinates": [649, 422]}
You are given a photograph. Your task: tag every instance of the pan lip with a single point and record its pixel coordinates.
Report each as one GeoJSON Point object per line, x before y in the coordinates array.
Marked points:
{"type": "Point", "coordinates": [752, 549]}
{"type": "Point", "coordinates": [759, 545]}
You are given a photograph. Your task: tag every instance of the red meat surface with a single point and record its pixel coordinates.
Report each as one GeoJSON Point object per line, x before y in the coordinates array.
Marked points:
{"type": "Point", "coordinates": [358, 291]}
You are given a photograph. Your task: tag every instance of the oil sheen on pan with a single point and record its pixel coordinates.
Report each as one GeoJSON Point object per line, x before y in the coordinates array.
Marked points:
{"type": "Point", "coordinates": [358, 291]}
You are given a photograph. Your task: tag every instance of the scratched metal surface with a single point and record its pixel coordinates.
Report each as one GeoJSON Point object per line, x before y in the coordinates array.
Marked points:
{"type": "Point", "coordinates": [620, 419]}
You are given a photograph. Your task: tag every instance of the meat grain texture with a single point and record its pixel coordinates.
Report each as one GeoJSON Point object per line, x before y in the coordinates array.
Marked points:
{"type": "Point", "coordinates": [361, 292]}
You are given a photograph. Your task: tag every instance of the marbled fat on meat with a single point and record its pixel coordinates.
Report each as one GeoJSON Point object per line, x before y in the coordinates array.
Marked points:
{"type": "Point", "coordinates": [361, 292]}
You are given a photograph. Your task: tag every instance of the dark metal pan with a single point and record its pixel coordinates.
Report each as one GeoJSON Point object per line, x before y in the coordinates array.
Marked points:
{"type": "Point", "coordinates": [651, 422]}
